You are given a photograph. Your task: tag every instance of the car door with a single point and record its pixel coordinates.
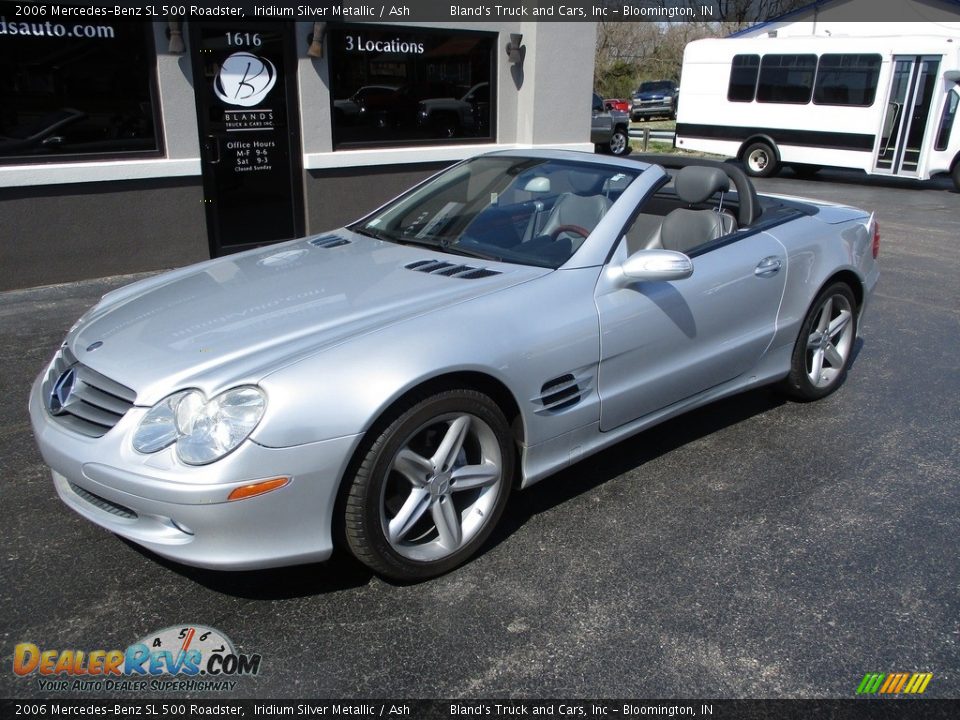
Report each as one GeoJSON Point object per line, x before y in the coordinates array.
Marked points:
{"type": "Point", "coordinates": [663, 342]}
{"type": "Point", "coordinates": [601, 127]}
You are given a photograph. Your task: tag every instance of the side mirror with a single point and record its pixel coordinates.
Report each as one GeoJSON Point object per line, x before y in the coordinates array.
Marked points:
{"type": "Point", "coordinates": [656, 265]}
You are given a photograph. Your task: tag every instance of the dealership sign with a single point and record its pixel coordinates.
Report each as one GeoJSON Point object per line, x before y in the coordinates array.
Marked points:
{"type": "Point", "coordinates": [245, 79]}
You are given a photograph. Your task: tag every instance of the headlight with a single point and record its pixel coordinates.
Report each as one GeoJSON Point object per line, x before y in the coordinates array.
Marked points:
{"type": "Point", "coordinates": [203, 430]}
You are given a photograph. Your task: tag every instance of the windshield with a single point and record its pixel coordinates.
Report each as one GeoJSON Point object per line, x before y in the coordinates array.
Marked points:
{"type": "Point", "coordinates": [531, 211]}
{"type": "Point", "coordinates": [660, 86]}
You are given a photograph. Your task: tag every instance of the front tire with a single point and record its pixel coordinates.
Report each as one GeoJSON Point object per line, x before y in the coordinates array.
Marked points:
{"type": "Point", "coordinates": [760, 160]}
{"type": "Point", "coordinates": [446, 126]}
{"type": "Point", "coordinates": [955, 174]}
{"type": "Point", "coordinates": [824, 348]}
{"type": "Point", "coordinates": [431, 486]}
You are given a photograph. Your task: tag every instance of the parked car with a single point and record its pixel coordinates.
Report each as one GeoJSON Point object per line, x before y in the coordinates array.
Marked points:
{"type": "Point", "coordinates": [454, 117]}
{"type": "Point", "coordinates": [609, 129]}
{"type": "Point", "coordinates": [365, 101]}
{"type": "Point", "coordinates": [616, 104]}
{"type": "Point", "coordinates": [656, 98]}
{"type": "Point", "coordinates": [383, 108]}
{"type": "Point", "coordinates": [398, 377]}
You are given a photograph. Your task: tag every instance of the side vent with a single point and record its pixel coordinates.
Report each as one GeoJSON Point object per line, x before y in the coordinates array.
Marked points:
{"type": "Point", "coordinates": [329, 241]}
{"type": "Point", "coordinates": [479, 273]}
{"type": "Point", "coordinates": [560, 393]}
{"type": "Point", "coordinates": [447, 269]}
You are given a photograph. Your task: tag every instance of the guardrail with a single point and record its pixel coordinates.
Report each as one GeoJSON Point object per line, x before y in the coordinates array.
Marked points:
{"type": "Point", "coordinates": [646, 135]}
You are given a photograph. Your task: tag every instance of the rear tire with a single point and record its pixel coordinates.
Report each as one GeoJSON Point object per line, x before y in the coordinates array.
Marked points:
{"type": "Point", "coordinates": [760, 160]}
{"type": "Point", "coordinates": [822, 354]}
{"type": "Point", "coordinates": [431, 486]}
{"type": "Point", "coordinates": [619, 143]}
{"type": "Point", "coordinates": [955, 174]}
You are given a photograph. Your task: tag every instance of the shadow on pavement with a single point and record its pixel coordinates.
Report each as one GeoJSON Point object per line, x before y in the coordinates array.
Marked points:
{"type": "Point", "coordinates": [341, 572]}
{"type": "Point", "coordinates": [630, 454]}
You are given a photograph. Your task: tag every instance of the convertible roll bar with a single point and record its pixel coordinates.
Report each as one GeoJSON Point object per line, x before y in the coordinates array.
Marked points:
{"type": "Point", "coordinates": [750, 208]}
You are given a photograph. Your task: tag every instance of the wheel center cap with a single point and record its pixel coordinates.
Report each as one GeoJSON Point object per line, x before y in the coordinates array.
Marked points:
{"type": "Point", "coordinates": [440, 484]}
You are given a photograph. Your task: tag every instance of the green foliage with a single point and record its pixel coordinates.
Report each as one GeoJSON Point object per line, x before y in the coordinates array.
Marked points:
{"type": "Point", "coordinates": [617, 80]}
{"type": "Point", "coordinates": [629, 53]}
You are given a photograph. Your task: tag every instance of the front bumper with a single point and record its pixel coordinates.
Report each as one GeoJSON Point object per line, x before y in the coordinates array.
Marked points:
{"type": "Point", "coordinates": [182, 512]}
{"type": "Point", "coordinates": [651, 109]}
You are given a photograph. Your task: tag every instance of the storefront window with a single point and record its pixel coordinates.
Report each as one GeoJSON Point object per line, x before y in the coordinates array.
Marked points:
{"type": "Point", "coordinates": [397, 86]}
{"type": "Point", "coordinates": [75, 88]}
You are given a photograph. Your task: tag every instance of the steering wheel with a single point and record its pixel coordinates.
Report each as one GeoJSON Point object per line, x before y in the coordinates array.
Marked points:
{"type": "Point", "coordinates": [581, 231]}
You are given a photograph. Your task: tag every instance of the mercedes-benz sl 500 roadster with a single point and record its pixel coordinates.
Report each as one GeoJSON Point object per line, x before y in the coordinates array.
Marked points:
{"type": "Point", "coordinates": [385, 386]}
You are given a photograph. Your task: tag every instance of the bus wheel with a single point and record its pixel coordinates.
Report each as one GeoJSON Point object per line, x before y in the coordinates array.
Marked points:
{"type": "Point", "coordinates": [760, 160]}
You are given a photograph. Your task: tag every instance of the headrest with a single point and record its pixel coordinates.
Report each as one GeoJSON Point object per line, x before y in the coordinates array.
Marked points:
{"type": "Point", "coordinates": [538, 184]}
{"type": "Point", "coordinates": [695, 183]}
{"type": "Point", "coordinates": [585, 183]}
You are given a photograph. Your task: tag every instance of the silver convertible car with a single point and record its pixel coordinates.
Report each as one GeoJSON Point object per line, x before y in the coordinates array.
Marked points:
{"type": "Point", "coordinates": [385, 386]}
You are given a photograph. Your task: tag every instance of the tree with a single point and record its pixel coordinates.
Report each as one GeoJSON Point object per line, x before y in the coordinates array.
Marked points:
{"type": "Point", "coordinates": [628, 52]}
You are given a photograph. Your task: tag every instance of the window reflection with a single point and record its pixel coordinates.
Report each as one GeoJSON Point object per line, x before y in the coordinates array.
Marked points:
{"type": "Point", "coordinates": [393, 86]}
{"type": "Point", "coordinates": [69, 89]}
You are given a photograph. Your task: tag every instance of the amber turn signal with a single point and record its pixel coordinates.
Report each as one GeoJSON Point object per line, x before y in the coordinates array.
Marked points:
{"type": "Point", "coordinates": [259, 488]}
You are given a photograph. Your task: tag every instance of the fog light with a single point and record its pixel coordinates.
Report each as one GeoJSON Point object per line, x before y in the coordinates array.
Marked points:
{"type": "Point", "coordinates": [265, 486]}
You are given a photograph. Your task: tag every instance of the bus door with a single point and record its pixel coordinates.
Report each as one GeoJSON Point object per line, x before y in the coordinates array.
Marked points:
{"type": "Point", "coordinates": [912, 85]}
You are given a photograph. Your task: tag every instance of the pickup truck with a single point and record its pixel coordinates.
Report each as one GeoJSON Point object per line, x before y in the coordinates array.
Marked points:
{"type": "Point", "coordinates": [655, 98]}
{"type": "Point", "coordinates": [608, 129]}
{"type": "Point", "coordinates": [451, 117]}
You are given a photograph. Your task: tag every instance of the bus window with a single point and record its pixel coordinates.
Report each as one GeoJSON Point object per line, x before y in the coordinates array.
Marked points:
{"type": "Point", "coordinates": [786, 78]}
{"type": "Point", "coordinates": [743, 78]}
{"type": "Point", "coordinates": [847, 80]}
{"type": "Point", "coordinates": [946, 120]}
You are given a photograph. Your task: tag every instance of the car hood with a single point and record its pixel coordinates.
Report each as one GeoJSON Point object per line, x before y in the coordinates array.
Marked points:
{"type": "Point", "coordinates": [235, 319]}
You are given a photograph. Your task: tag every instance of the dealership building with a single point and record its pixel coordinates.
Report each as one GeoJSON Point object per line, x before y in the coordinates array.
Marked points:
{"type": "Point", "coordinates": [128, 146]}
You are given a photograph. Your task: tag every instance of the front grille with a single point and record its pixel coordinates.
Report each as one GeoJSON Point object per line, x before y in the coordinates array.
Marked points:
{"type": "Point", "coordinates": [104, 504]}
{"type": "Point", "coordinates": [95, 404]}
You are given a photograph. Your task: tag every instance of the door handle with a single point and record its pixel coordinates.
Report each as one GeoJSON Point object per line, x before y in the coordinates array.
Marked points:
{"type": "Point", "coordinates": [213, 149]}
{"type": "Point", "coordinates": [768, 267]}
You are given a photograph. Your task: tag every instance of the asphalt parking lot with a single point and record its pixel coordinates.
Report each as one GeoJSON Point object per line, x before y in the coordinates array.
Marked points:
{"type": "Point", "coordinates": [755, 548]}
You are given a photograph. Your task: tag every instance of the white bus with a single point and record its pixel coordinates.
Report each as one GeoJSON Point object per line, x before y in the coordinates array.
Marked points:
{"type": "Point", "coordinates": [884, 105]}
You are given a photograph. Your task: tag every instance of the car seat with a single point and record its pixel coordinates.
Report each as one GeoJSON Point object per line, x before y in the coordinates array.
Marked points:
{"type": "Point", "coordinates": [685, 228]}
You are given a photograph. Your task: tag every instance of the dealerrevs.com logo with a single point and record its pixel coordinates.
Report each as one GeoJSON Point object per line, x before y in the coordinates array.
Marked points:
{"type": "Point", "coordinates": [894, 683]}
{"type": "Point", "coordinates": [181, 658]}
